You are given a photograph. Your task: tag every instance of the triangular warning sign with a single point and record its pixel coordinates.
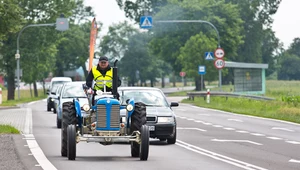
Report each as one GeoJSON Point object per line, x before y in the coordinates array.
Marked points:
{"type": "Point", "coordinates": [209, 56]}
{"type": "Point", "coordinates": [146, 23]}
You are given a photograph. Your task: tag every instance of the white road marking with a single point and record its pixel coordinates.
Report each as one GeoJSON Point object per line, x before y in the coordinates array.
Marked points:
{"type": "Point", "coordinates": [206, 123]}
{"type": "Point", "coordinates": [236, 120]}
{"type": "Point", "coordinates": [32, 102]}
{"type": "Point", "coordinates": [242, 131]}
{"type": "Point", "coordinates": [183, 117]}
{"type": "Point", "coordinates": [229, 128]}
{"type": "Point", "coordinates": [33, 145]}
{"type": "Point", "coordinates": [203, 114]}
{"type": "Point", "coordinates": [257, 134]}
{"type": "Point", "coordinates": [285, 129]}
{"type": "Point", "coordinates": [190, 119]}
{"type": "Point", "coordinates": [191, 129]}
{"type": "Point", "coordinates": [199, 121]}
{"type": "Point", "coordinates": [242, 141]}
{"type": "Point", "coordinates": [274, 138]}
{"type": "Point", "coordinates": [275, 120]}
{"type": "Point", "coordinates": [294, 161]}
{"type": "Point", "coordinates": [218, 126]}
{"type": "Point", "coordinates": [293, 142]}
{"type": "Point", "coordinates": [219, 157]}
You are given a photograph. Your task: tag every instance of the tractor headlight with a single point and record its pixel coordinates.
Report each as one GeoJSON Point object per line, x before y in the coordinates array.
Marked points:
{"type": "Point", "coordinates": [165, 119]}
{"type": "Point", "coordinates": [129, 107]}
{"type": "Point", "coordinates": [86, 107]}
{"type": "Point", "coordinates": [52, 99]}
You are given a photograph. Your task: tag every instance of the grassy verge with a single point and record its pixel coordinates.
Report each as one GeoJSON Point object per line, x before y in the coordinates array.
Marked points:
{"type": "Point", "coordinates": [285, 107]}
{"type": "Point", "coordinates": [6, 129]}
{"type": "Point", "coordinates": [25, 97]}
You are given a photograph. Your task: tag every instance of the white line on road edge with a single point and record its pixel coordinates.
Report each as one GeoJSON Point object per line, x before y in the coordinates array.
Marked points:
{"type": "Point", "coordinates": [236, 120]}
{"type": "Point", "coordinates": [203, 114]}
{"type": "Point", "coordinates": [294, 161]}
{"type": "Point", "coordinates": [219, 157]}
{"type": "Point", "coordinates": [33, 145]}
{"type": "Point", "coordinates": [191, 129]}
{"type": "Point", "coordinates": [279, 128]}
{"type": "Point", "coordinates": [293, 142]}
{"type": "Point", "coordinates": [243, 141]}
{"type": "Point", "coordinates": [274, 138]}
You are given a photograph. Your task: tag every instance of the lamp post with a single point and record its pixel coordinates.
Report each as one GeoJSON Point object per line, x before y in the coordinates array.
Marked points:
{"type": "Point", "coordinates": [61, 24]}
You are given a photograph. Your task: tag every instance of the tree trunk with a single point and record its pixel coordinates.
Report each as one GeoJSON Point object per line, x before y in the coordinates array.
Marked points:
{"type": "Point", "coordinates": [30, 90]}
{"type": "Point", "coordinates": [174, 79]}
{"type": "Point", "coordinates": [44, 88]}
{"type": "Point", "coordinates": [152, 82]}
{"type": "Point", "coordinates": [11, 86]}
{"type": "Point", "coordinates": [163, 81]}
{"type": "Point", "coordinates": [35, 90]}
{"type": "Point", "coordinates": [185, 81]}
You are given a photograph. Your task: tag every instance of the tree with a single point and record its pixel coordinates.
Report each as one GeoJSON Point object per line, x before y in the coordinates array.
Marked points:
{"type": "Point", "coordinates": [169, 38]}
{"type": "Point", "coordinates": [114, 44]}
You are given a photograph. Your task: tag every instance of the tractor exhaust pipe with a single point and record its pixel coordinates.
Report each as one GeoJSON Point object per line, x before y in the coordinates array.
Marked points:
{"type": "Point", "coordinates": [115, 80]}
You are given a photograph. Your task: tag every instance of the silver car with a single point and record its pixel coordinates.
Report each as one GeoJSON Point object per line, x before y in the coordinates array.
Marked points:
{"type": "Point", "coordinates": [68, 92]}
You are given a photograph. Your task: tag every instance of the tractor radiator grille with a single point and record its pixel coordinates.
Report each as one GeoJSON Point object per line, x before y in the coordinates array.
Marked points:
{"type": "Point", "coordinates": [114, 116]}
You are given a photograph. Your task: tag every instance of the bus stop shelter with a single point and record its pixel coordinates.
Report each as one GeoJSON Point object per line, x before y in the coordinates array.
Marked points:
{"type": "Point", "coordinates": [248, 78]}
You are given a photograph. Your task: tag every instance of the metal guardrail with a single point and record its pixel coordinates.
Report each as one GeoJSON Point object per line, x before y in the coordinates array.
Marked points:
{"type": "Point", "coordinates": [192, 95]}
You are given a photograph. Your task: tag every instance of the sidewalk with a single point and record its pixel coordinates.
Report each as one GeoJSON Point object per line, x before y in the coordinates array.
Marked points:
{"type": "Point", "coordinates": [14, 150]}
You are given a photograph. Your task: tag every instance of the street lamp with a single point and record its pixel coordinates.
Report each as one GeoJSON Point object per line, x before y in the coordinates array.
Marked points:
{"type": "Point", "coordinates": [61, 24]}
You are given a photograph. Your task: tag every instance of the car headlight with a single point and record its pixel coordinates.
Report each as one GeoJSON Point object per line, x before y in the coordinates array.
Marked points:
{"type": "Point", "coordinates": [86, 107]}
{"type": "Point", "coordinates": [165, 119]}
{"type": "Point", "coordinates": [129, 107]}
{"type": "Point", "coordinates": [52, 99]}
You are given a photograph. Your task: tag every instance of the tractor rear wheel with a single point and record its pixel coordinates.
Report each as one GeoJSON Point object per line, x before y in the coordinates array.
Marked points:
{"type": "Point", "coordinates": [68, 118]}
{"type": "Point", "coordinates": [138, 119]}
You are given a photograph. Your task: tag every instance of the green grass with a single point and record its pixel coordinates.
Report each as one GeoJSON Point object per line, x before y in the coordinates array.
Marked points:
{"type": "Point", "coordinates": [285, 107]}
{"type": "Point", "coordinates": [25, 97]}
{"type": "Point", "coordinates": [6, 129]}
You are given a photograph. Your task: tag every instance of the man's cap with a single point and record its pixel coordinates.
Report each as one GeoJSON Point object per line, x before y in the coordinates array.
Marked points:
{"type": "Point", "coordinates": [103, 58]}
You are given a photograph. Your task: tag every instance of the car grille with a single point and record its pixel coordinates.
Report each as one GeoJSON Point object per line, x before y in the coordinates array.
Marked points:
{"type": "Point", "coordinates": [102, 116]}
{"type": "Point", "coordinates": [151, 119]}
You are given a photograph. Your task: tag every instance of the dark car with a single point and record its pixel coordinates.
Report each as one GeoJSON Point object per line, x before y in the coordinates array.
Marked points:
{"type": "Point", "coordinates": [160, 115]}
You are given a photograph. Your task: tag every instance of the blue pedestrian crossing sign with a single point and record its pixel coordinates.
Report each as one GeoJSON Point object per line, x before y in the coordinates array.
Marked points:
{"type": "Point", "coordinates": [146, 22]}
{"type": "Point", "coordinates": [209, 56]}
{"type": "Point", "coordinates": [201, 70]}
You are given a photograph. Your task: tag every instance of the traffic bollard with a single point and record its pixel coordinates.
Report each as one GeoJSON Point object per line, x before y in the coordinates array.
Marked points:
{"type": "Point", "coordinates": [208, 96]}
{"type": "Point", "coordinates": [0, 96]}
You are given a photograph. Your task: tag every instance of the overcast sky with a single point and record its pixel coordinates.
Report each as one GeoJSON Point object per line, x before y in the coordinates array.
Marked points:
{"type": "Point", "coordinates": [286, 21]}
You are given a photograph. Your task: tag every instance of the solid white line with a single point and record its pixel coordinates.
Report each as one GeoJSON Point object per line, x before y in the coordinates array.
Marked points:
{"type": "Point", "coordinates": [285, 129]}
{"type": "Point", "coordinates": [183, 128]}
{"type": "Point", "coordinates": [274, 138]}
{"type": "Point", "coordinates": [219, 157]}
{"type": "Point", "coordinates": [242, 141]}
{"type": "Point", "coordinates": [199, 121]}
{"type": "Point", "coordinates": [294, 161]}
{"type": "Point", "coordinates": [205, 123]}
{"type": "Point", "coordinates": [33, 145]}
{"type": "Point", "coordinates": [190, 119]}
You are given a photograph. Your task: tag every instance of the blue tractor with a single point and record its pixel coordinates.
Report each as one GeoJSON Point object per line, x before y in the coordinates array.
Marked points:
{"type": "Point", "coordinates": [100, 121]}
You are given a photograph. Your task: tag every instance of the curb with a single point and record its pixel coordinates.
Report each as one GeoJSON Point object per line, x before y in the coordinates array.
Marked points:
{"type": "Point", "coordinates": [9, 107]}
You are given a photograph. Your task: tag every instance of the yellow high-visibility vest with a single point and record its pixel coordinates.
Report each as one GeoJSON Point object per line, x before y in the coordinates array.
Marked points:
{"type": "Point", "coordinates": [99, 79]}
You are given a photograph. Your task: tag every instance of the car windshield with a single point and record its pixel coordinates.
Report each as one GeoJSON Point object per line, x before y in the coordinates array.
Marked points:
{"type": "Point", "coordinates": [73, 91]}
{"type": "Point", "coordinates": [55, 85]}
{"type": "Point", "coordinates": [149, 97]}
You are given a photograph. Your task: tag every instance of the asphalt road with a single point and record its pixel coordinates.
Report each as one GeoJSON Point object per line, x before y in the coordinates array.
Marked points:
{"type": "Point", "coordinates": [207, 139]}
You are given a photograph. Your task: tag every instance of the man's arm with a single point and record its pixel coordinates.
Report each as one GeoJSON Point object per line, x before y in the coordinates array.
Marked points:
{"type": "Point", "coordinates": [89, 79]}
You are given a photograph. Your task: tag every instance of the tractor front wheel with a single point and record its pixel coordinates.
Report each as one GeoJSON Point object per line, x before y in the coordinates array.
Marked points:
{"type": "Point", "coordinates": [68, 118]}
{"type": "Point", "coordinates": [71, 142]}
{"type": "Point", "coordinates": [144, 146]}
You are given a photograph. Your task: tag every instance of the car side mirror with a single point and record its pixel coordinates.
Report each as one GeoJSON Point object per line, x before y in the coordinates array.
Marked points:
{"type": "Point", "coordinates": [174, 104]}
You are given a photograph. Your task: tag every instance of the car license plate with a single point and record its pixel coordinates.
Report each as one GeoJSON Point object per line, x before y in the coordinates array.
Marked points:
{"type": "Point", "coordinates": [151, 128]}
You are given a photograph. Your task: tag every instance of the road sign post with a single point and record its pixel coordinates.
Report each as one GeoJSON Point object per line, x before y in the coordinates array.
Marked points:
{"type": "Point", "coordinates": [64, 26]}
{"type": "Point", "coordinates": [182, 74]}
{"type": "Point", "coordinates": [202, 71]}
{"type": "Point", "coordinates": [219, 63]}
